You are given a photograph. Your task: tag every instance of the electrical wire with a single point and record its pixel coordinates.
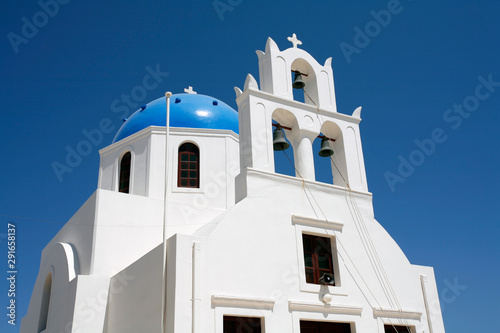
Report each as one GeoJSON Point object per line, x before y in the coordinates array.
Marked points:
{"type": "Point", "coordinates": [304, 187]}
{"type": "Point", "coordinates": [365, 237]}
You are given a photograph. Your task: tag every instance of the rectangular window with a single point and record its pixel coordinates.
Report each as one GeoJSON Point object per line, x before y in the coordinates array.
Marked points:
{"type": "Point", "coordinates": [397, 329]}
{"type": "Point", "coordinates": [318, 259]}
{"type": "Point", "coordinates": [234, 324]}
{"type": "Point", "coordinates": [324, 327]}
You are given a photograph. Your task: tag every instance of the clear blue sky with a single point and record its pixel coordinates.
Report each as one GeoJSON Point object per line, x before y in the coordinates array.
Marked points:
{"type": "Point", "coordinates": [69, 74]}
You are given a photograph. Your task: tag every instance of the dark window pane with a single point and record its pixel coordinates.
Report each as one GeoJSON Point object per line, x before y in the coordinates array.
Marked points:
{"type": "Point", "coordinates": [323, 245]}
{"type": "Point", "coordinates": [307, 244]}
{"type": "Point", "coordinates": [184, 157]}
{"type": "Point", "coordinates": [324, 262]}
{"type": "Point", "coordinates": [324, 327]}
{"type": "Point", "coordinates": [193, 183]}
{"type": "Point", "coordinates": [308, 260]}
{"type": "Point", "coordinates": [229, 326]}
{"type": "Point", "coordinates": [184, 165]}
{"type": "Point", "coordinates": [184, 182]}
{"type": "Point", "coordinates": [193, 158]}
{"type": "Point", "coordinates": [241, 325]}
{"type": "Point", "coordinates": [184, 174]}
{"type": "Point", "coordinates": [124, 180]}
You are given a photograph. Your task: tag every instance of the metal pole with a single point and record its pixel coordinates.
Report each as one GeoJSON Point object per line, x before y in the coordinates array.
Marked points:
{"type": "Point", "coordinates": [163, 326]}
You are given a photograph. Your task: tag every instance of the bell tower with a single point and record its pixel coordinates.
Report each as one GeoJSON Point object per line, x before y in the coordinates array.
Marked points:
{"type": "Point", "coordinates": [303, 122]}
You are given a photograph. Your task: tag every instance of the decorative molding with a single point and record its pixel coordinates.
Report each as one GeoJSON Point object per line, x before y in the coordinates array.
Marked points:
{"type": "Point", "coordinates": [312, 183]}
{"type": "Point", "coordinates": [299, 105]}
{"type": "Point", "coordinates": [325, 308]}
{"type": "Point", "coordinates": [398, 314]}
{"type": "Point", "coordinates": [161, 131]}
{"type": "Point", "coordinates": [242, 302]}
{"type": "Point", "coordinates": [311, 222]}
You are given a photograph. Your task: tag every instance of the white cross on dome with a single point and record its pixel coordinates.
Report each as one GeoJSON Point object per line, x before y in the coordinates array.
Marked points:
{"type": "Point", "coordinates": [189, 90]}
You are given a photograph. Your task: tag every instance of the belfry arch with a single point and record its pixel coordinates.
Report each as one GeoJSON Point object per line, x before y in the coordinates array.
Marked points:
{"type": "Point", "coordinates": [287, 121]}
{"type": "Point", "coordinates": [338, 160]}
{"type": "Point", "coordinates": [309, 78]}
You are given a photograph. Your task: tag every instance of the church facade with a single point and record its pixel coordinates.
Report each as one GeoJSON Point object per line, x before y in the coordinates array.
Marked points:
{"type": "Point", "coordinates": [192, 230]}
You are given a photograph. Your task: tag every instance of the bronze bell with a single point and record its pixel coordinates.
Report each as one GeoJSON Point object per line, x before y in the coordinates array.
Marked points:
{"type": "Point", "coordinates": [325, 150]}
{"type": "Point", "coordinates": [297, 81]}
{"type": "Point", "coordinates": [279, 141]}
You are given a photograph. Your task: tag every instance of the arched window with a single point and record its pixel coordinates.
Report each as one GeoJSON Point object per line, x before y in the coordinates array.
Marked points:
{"type": "Point", "coordinates": [188, 174]}
{"type": "Point", "coordinates": [44, 309]}
{"type": "Point", "coordinates": [124, 183]}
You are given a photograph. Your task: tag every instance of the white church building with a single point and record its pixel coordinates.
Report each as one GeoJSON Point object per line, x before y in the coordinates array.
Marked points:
{"type": "Point", "coordinates": [191, 229]}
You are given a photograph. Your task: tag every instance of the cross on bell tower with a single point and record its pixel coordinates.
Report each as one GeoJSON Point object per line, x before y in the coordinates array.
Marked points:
{"type": "Point", "coordinates": [294, 40]}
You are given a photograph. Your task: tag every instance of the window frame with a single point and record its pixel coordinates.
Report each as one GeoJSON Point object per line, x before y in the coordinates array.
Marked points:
{"type": "Point", "coordinates": [180, 168]}
{"type": "Point", "coordinates": [317, 271]}
{"type": "Point", "coordinates": [330, 229]}
{"type": "Point", "coordinates": [120, 172]}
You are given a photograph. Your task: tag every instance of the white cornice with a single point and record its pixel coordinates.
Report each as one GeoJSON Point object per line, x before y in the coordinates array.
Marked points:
{"type": "Point", "coordinates": [296, 104]}
{"type": "Point", "coordinates": [398, 314]}
{"type": "Point", "coordinates": [160, 130]}
{"type": "Point", "coordinates": [197, 131]}
{"type": "Point", "coordinates": [354, 310]}
{"type": "Point", "coordinates": [300, 181]}
{"type": "Point", "coordinates": [242, 302]}
{"type": "Point", "coordinates": [311, 222]}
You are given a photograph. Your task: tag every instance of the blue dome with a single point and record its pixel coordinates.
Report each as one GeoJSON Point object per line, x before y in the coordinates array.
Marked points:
{"type": "Point", "coordinates": [186, 110]}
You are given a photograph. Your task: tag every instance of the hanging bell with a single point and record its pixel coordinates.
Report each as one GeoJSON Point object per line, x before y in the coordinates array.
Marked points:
{"type": "Point", "coordinates": [297, 81]}
{"type": "Point", "coordinates": [325, 150]}
{"type": "Point", "coordinates": [279, 141]}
